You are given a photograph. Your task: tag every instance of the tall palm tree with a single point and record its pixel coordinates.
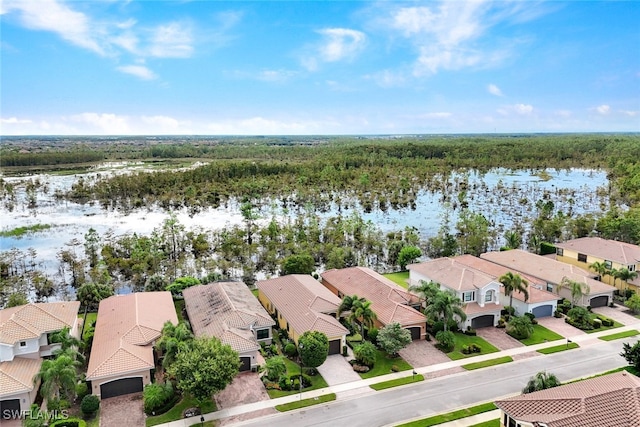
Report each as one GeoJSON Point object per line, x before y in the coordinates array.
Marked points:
{"type": "Point", "coordinates": [90, 295]}
{"type": "Point", "coordinates": [578, 290]}
{"type": "Point", "coordinates": [625, 275]}
{"type": "Point", "coordinates": [347, 303]}
{"type": "Point", "coordinates": [362, 313]}
{"type": "Point", "coordinates": [514, 282]}
{"type": "Point", "coordinates": [174, 339]}
{"type": "Point", "coordinates": [541, 381]}
{"type": "Point", "coordinates": [427, 290]}
{"type": "Point", "coordinates": [69, 344]}
{"type": "Point", "coordinates": [599, 267]}
{"type": "Point", "coordinates": [444, 306]}
{"type": "Point", "coordinates": [58, 375]}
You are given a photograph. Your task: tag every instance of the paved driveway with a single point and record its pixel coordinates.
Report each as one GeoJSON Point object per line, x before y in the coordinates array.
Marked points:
{"type": "Point", "coordinates": [498, 337]}
{"type": "Point", "coordinates": [618, 313]}
{"type": "Point", "coordinates": [246, 387]}
{"type": "Point", "coordinates": [122, 411]}
{"type": "Point", "coordinates": [423, 353]}
{"type": "Point", "coordinates": [559, 326]}
{"type": "Point", "coordinates": [336, 370]}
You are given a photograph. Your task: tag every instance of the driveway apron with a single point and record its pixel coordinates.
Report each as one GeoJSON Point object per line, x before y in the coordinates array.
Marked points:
{"type": "Point", "coordinates": [336, 370]}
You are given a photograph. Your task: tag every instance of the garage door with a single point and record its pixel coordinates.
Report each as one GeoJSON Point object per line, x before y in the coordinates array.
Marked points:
{"type": "Point", "coordinates": [120, 387]}
{"type": "Point", "coordinates": [599, 301]}
{"type": "Point", "coordinates": [415, 333]}
{"type": "Point", "coordinates": [9, 409]}
{"type": "Point", "coordinates": [246, 363]}
{"type": "Point", "coordinates": [334, 347]}
{"type": "Point", "coordinates": [543, 311]}
{"type": "Point", "coordinates": [482, 321]}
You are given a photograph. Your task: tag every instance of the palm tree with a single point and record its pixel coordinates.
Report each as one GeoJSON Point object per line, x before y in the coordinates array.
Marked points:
{"type": "Point", "coordinates": [362, 313]}
{"type": "Point", "coordinates": [174, 339]}
{"type": "Point", "coordinates": [445, 305]}
{"type": "Point", "coordinates": [541, 381]}
{"type": "Point", "coordinates": [599, 267]}
{"type": "Point", "coordinates": [69, 344]}
{"type": "Point", "coordinates": [427, 290]}
{"type": "Point", "coordinates": [514, 282]}
{"type": "Point", "coordinates": [347, 303]}
{"type": "Point", "coordinates": [58, 375]}
{"type": "Point", "coordinates": [90, 295]}
{"type": "Point", "coordinates": [520, 327]}
{"type": "Point", "coordinates": [578, 290]}
{"type": "Point", "coordinates": [625, 275]}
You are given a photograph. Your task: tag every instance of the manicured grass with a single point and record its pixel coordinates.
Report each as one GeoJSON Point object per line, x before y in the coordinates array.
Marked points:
{"type": "Point", "coordinates": [20, 232]}
{"type": "Point", "coordinates": [626, 334]}
{"type": "Point", "coordinates": [255, 292]}
{"type": "Point", "coordinates": [451, 416]}
{"type": "Point", "coordinates": [558, 348]}
{"type": "Point", "coordinates": [397, 382]}
{"type": "Point", "coordinates": [604, 328]}
{"type": "Point", "coordinates": [492, 423]}
{"type": "Point", "coordinates": [179, 304]}
{"type": "Point", "coordinates": [487, 363]}
{"type": "Point", "coordinates": [306, 402]}
{"type": "Point", "coordinates": [95, 421]}
{"type": "Point", "coordinates": [294, 369]}
{"type": "Point", "coordinates": [541, 335]}
{"type": "Point", "coordinates": [91, 317]}
{"type": "Point", "coordinates": [383, 365]}
{"type": "Point", "coordinates": [400, 278]}
{"type": "Point", "coordinates": [462, 340]}
{"type": "Point", "coordinates": [175, 413]}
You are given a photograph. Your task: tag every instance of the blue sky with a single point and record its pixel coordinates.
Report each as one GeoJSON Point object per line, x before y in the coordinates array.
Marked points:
{"type": "Point", "coordinates": [327, 67]}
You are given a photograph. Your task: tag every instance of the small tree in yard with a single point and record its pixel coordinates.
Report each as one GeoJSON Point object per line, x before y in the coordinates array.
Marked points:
{"type": "Point", "coordinates": [407, 255]}
{"type": "Point", "coordinates": [365, 353]}
{"type": "Point", "coordinates": [313, 347]}
{"type": "Point", "coordinates": [520, 327]}
{"type": "Point", "coordinates": [205, 367]}
{"type": "Point", "coordinates": [274, 368]}
{"type": "Point", "coordinates": [89, 405]}
{"type": "Point", "coordinates": [393, 338]}
{"type": "Point", "coordinates": [631, 353]}
{"type": "Point", "coordinates": [633, 303]}
{"type": "Point", "coordinates": [580, 318]}
{"type": "Point", "coordinates": [156, 395]}
{"type": "Point", "coordinates": [446, 340]}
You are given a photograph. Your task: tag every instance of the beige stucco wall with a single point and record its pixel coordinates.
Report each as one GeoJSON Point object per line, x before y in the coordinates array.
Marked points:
{"type": "Point", "coordinates": [571, 257]}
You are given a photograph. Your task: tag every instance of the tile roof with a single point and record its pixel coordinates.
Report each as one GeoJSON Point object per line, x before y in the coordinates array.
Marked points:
{"type": "Point", "coordinates": [125, 330]}
{"type": "Point", "coordinates": [228, 311]}
{"type": "Point", "coordinates": [34, 319]}
{"type": "Point", "coordinates": [305, 303]}
{"type": "Point", "coordinates": [451, 274]}
{"type": "Point", "coordinates": [388, 300]}
{"type": "Point", "coordinates": [610, 400]}
{"type": "Point", "coordinates": [546, 269]}
{"type": "Point", "coordinates": [611, 250]}
{"type": "Point", "coordinates": [17, 376]}
{"type": "Point", "coordinates": [536, 288]}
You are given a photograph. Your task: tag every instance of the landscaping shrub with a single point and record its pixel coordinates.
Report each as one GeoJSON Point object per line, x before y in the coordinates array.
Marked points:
{"type": "Point", "coordinates": [475, 348]}
{"type": "Point", "coordinates": [284, 382]}
{"type": "Point", "coordinates": [90, 404]}
{"type": "Point", "coordinates": [446, 340]}
{"type": "Point", "coordinates": [81, 390]}
{"type": "Point", "coordinates": [607, 322]}
{"type": "Point", "coordinates": [466, 349]}
{"type": "Point", "coordinates": [508, 311]}
{"type": "Point", "coordinates": [557, 314]}
{"type": "Point", "coordinates": [439, 326]}
{"type": "Point", "coordinates": [290, 350]}
{"type": "Point", "coordinates": [354, 340]}
{"type": "Point", "coordinates": [365, 353]}
{"type": "Point", "coordinates": [547, 248]}
{"type": "Point", "coordinates": [69, 422]}
{"type": "Point", "coordinates": [155, 396]}
{"type": "Point", "coordinates": [345, 352]}
{"type": "Point", "coordinates": [580, 318]}
{"type": "Point", "coordinates": [470, 332]}
{"type": "Point", "coordinates": [284, 335]}
{"type": "Point", "coordinates": [274, 368]}
{"type": "Point", "coordinates": [596, 323]}
{"type": "Point", "coordinates": [501, 323]}
{"type": "Point", "coordinates": [394, 368]}
{"type": "Point", "coordinates": [373, 334]}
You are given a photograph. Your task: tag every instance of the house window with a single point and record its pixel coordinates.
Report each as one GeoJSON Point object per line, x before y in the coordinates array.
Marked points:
{"type": "Point", "coordinates": [23, 343]}
{"type": "Point", "coordinates": [608, 264]}
{"type": "Point", "coordinates": [262, 334]}
{"type": "Point", "coordinates": [632, 267]}
{"type": "Point", "coordinates": [549, 287]}
{"type": "Point", "coordinates": [469, 296]}
{"type": "Point", "coordinates": [488, 297]}
{"type": "Point", "coordinates": [582, 258]}
{"type": "Point", "coordinates": [559, 251]}
{"type": "Point", "coordinates": [340, 294]}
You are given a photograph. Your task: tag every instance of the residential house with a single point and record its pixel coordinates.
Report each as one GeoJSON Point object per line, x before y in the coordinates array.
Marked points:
{"type": "Point", "coordinates": [608, 400]}
{"type": "Point", "coordinates": [553, 272]}
{"type": "Point", "coordinates": [230, 312]}
{"type": "Point", "coordinates": [299, 304]}
{"type": "Point", "coordinates": [540, 303]}
{"type": "Point", "coordinates": [615, 255]}
{"type": "Point", "coordinates": [122, 358]}
{"type": "Point", "coordinates": [390, 302]}
{"type": "Point", "coordinates": [25, 333]}
{"type": "Point", "coordinates": [479, 292]}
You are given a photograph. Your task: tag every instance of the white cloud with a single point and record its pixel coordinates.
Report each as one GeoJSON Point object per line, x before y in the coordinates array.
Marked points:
{"type": "Point", "coordinates": [388, 78]}
{"type": "Point", "coordinates": [603, 109]}
{"type": "Point", "coordinates": [139, 71]}
{"type": "Point", "coordinates": [340, 43]}
{"type": "Point", "coordinates": [173, 40]}
{"type": "Point", "coordinates": [14, 121]}
{"type": "Point", "coordinates": [110, 124]}
{"type": "Point", "coordinates": [162, 124]}
{"type": "Point", "coordinates": [436, 115]}
{"type": "Point", "coordinates": [275, 75]}
{"type": "Point", "coordinates": [523, 109]}
{"type": "Point", "coordinates": [629, 113]}
{"type": "Point", "coordinates": [494, 90]}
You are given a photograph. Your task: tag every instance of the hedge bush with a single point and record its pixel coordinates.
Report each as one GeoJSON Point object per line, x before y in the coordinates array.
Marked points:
{"type": "Point", "coordinates": [90, 404]}
{"type": "Point", "coordinates": [69, 422]}
{"type": "Point", "coordinates": [156, 395]}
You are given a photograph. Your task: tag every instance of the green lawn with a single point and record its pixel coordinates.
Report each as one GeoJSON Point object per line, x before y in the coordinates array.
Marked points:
{"type": "Point", "coordinates": [91, 317]}
{"type": "Point", "coordinates": [179, 304]}
{"type": "Point", "coordinates": [462, 340]}
{"type": "Point", "coordinates": [400, 278]}
{"type": "Point", "coordinates": [397, 382]}
{"type": "Point", "coordinates": [625, 334]}
{"type": "Point", "coordinates": [175, 413]}
{"type": "Point", "coordinates": [487, 363]}
{"type": "Point", "coordinates": [451, 416]}
{"type": "Point", "coordinates": [558, 348]}
{"type": "Point", "coordinates": [294, 369]}
{"type": "Point", "coordinates": [95, 421]}
{"type": "Point", "coordinates": [492, 423]}
{"type": "Point", "coordinates": [383, 365]}
{"type": "Point", "coordinates": [604, 328]}
{"type": "Point", "coordinates": [541, 335]}
{"type": "Point", "coordinates": [306, 402]}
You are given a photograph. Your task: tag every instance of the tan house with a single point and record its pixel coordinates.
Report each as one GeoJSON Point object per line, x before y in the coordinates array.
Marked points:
{"type": "Point", "coordinates": [615, 255]}
{"type": "Point", "coordinates": [230, 312]}
{"type": "Point", "coordinates": [479, 292]}
{"type": "Point", "coordinates": [553, 272]}
{"type": "Point", "coordinates": [300, 303]}
{"type": "Point", "coordinates": [24, 342]}
{"type": "Point", "coordinates": [609, 400]}
{"type": "Point", "coordinates": [390, 302]}
{"type": "Point", "coordinates": [540, 303]}
{"type": "Point", "coordinates": [127, 327]}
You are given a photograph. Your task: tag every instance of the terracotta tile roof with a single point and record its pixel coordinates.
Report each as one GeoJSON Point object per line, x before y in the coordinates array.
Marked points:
{"type": "Point", "coordinates": [546, 269]}
{"type": "Point", "coordinates": [17, 376]}
{"type": "Point", "coordinates": [453, 275]}
{"type": "Point", "coordinates": [126, 328]}
{"type": "Point", "coordinates": [388, 300]}
{"type": "Point", "coordinates": [305, 303]}
{"type": "Point", "coordinates": [34, 319]}
{"type": "Point", "coordinates": [610, 400]}
{"type": "Point", "coordinates": [228, 311]}
{"type": "Point", "coordinates": [611, 250]}
{"type": "Point", "coordinates": [536, 288]}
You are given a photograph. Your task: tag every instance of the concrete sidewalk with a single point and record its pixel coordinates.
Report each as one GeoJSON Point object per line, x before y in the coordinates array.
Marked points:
{"type": "Point", "coordinates": [362, 386]}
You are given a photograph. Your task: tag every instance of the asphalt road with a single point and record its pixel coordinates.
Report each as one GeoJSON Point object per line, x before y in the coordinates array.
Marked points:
{"type": "Point", "coordinates": [451, 392]}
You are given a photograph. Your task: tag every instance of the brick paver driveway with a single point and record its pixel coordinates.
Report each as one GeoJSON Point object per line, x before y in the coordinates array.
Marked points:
{"type": "Point", "coordinates": [423, 353]}
{"type": "Point", "coordinates": [122, 411]}
{"type": "Point", "coordinates": [245, 388]}
{"type": "Point", "coordinates": [498, 337]}
{"type": "Point", "coordinates": [559, 326]}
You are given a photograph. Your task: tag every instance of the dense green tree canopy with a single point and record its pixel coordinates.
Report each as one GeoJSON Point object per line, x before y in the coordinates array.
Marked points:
{"type": "Point", "coordinates": [392, 338]}
{"type": "Point", "coordinates": [313, 347]}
